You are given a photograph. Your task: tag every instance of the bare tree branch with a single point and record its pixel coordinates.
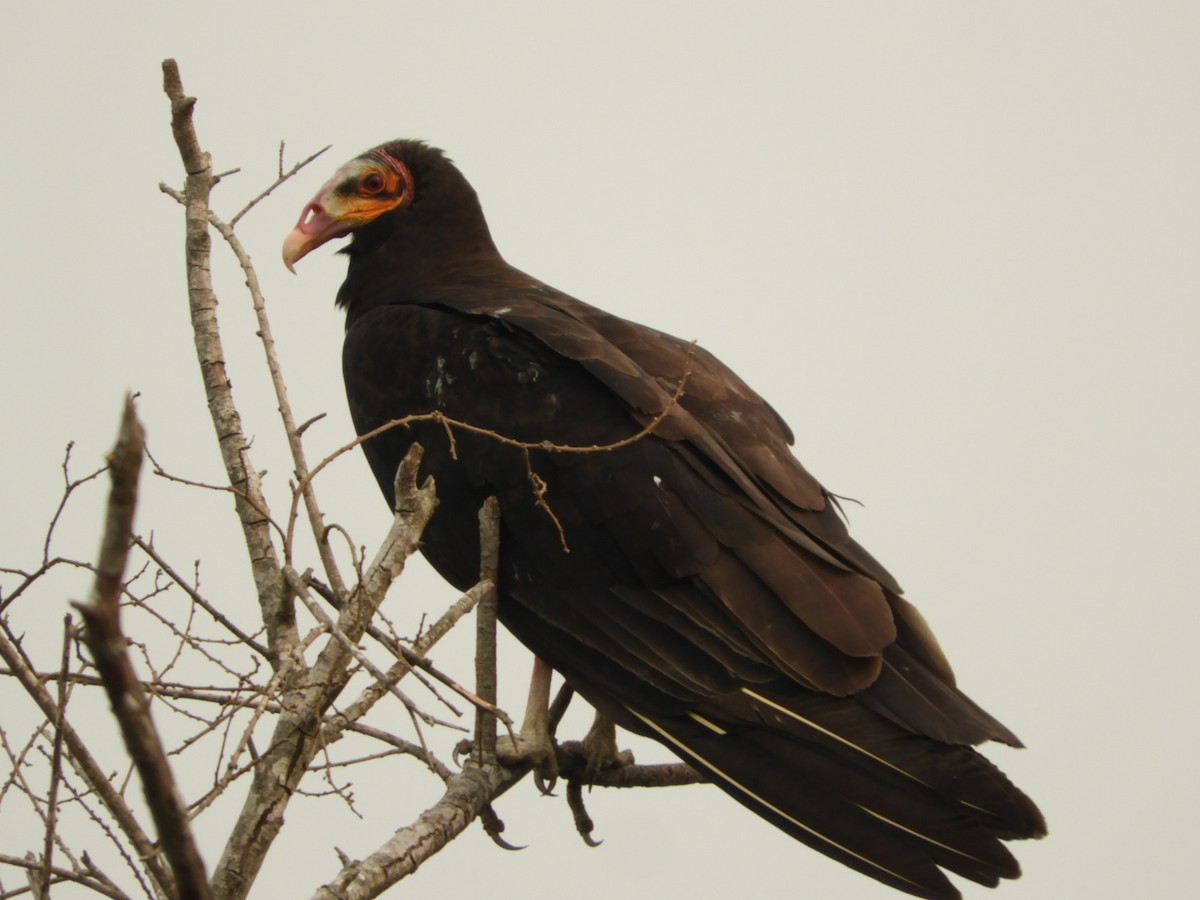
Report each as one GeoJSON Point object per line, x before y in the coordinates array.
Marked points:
{"type": "Point", "coordinates": [56, 759]}
{"type": "Point", "coordinates": [88, 880]}
{"type": "Point", "coordinates": [148, 548]}
{"type": "Point", "coordinates": [295, 444]}
{"type": "Point", "coordinates": [350, 647]}
{"type": "Point", "coordinates": [374, 691]}
{"type": "Point", "coordinates": [574, 766]}
{"type": "Point", "coordinates": [485, 640]}
{"type": "Point", "coordinates": [77, 748]}
{"type": "Point", "coordinates": [102, 617]}
{"type": "Point", "coordinates": [298, 736]}
{"type": "Point", "coordinates": [272, 589]}
{"type": "Point", "coordinates": [283, 176]}
{"type": "Point", "coordinates": [467, 793]}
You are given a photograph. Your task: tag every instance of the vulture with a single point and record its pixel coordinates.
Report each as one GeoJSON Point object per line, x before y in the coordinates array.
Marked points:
{"type": "Point", "coordinates": [660, 545]}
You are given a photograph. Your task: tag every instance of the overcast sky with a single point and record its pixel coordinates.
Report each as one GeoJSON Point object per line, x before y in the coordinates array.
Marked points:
{"type": "Point", "coordinates": [954, 244]}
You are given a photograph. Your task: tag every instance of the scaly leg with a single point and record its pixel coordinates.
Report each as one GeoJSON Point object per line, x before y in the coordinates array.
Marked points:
{"type": "Point", "coordinates": [534, 745]}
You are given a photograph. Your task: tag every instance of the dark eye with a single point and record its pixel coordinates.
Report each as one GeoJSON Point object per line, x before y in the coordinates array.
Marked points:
{"type": "Point", "coordinates": [372, 183]}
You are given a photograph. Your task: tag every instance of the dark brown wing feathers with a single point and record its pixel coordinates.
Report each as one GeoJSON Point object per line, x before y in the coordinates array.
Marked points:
{"type": "Point", "coordinates": [711, 597]}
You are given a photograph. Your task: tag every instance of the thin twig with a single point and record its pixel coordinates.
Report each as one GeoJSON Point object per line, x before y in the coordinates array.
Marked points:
{"type": "Point", "coordinates": [69, 487]}
{"type": "Point", "coordinates": [294, 432]}
{"type": "Point", "coordinates": [403, 746]}
{"type": "Point", "coordinates": [56, 757]}
{"type": "Point", "coordinates": [148, 548]}
{"type": "Point", "coordinates": [672, 405]}
{"type": "Point", "coordinates": [295, 444]}
{"type": "Point", "coordinates": [250, 497]}
{"type": "Point", "coordinates": [97, 779]}
{"type": "Point", "coordinates": [363, 660]}
{"type": "Point", "coordinates": [425, 665]}
{"type": "Point", "coordinates": [87, 880]}
{"type": "Point", "coordinates": [374, 691]}
{"type": "Point", "coordinates": [283, 176]}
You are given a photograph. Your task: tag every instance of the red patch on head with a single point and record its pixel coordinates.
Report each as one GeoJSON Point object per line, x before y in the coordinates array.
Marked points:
{"type": "Point", "coordinates": [382, 156]}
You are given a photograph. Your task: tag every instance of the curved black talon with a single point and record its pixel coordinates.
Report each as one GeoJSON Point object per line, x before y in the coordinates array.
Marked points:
{"type": "Point", "coordinates": [544, 788]}
{"type": "Point", "coordinates": [494, 825]}
{"type": "Point", "coordinates": [583, 822]}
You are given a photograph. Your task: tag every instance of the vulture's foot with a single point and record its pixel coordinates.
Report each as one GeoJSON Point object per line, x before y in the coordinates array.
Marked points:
{"type": "Point", "coordinates": [533, 747]}
{"type": "Point", "coordinates": [582, 760]}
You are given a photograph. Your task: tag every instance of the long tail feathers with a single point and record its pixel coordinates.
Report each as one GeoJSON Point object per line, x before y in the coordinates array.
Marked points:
{"type": "Point", "coordinates": [857, 787]}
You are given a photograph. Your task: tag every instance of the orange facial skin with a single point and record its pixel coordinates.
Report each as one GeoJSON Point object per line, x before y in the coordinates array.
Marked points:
{"type": "Point", "coordinates": [360, 191]}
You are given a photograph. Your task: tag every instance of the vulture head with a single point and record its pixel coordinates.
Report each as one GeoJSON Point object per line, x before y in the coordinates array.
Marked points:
{"type": "Point", "coordinates": [403, 195]}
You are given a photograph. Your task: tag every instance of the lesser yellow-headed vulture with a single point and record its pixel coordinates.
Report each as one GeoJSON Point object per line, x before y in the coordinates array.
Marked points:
{"type": "Point", "coordinates": [693, 582]}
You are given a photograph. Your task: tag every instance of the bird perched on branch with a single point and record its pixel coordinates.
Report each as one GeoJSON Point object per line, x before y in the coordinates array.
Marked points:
{"type": "Point", "coordinates": [660, 546]}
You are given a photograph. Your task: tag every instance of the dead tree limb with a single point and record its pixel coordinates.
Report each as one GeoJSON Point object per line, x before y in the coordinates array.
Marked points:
{"type": "Point", "coordinates": [108, 646]}
{"type": "Point", "coordinates": [485, 642]}
{"type": "Point", "coordinates": [295, 442]}
{"type": "Point", "coordinates": [83, 760]}
{"type": "Point", "coordinates": [298, 735]}
{"type": "Point", "coordinates": [467, 793]}
{"type": "Point", "coordinates": [56, 756]}
{"type": "Point", "coordinates": [273, 593]}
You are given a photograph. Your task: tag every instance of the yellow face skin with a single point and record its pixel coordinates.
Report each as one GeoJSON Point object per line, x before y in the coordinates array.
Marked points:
{"type": "Point", "coordinates": [360, 191]}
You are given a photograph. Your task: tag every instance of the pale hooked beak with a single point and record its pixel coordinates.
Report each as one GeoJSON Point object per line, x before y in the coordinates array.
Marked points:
{"type": "Point", "coordinates": [314, 228]}
{"type": "Point", "coordinates": [343, 204]}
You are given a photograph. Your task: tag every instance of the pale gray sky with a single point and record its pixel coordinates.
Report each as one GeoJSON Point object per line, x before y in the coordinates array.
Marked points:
{"type": "Point", "coordinates": [954, 244]}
